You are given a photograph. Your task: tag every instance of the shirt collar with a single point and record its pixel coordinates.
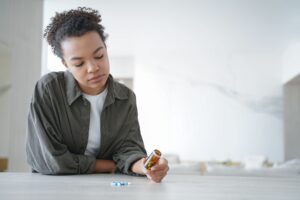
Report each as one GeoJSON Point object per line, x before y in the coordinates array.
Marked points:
{"type": "Point", "coordinates": [72, 89]}
{"type": "Point", "coordinates": [114, 90]}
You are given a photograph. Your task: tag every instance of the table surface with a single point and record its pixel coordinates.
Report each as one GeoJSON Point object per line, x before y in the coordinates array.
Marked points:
{"type": "Point", "coordinates": [175, 186]}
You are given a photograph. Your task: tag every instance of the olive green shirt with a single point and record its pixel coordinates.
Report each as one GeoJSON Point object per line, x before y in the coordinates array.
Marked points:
{"type": "Point", "coordinates": [58, 127]}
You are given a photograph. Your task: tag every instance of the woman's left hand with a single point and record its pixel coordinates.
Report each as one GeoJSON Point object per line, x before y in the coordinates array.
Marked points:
{"type": "Point", "coordinates": [158, 171]}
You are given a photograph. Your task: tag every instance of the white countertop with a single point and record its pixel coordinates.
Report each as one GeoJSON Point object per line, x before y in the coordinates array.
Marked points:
{"type": "Point", "coordinates": [175, 186]}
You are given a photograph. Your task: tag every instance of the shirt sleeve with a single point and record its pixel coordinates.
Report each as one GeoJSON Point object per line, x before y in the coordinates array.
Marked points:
{"type": "Point", "coordinates": [132, 148]}
{"type": "Point", "coordinates": [46, 152]}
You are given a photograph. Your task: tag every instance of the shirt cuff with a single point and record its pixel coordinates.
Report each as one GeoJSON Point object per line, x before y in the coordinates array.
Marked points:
{"type": "Point", "coordinates": [130, 161]}
{"type": "Point", "coordinates": [86, 164]}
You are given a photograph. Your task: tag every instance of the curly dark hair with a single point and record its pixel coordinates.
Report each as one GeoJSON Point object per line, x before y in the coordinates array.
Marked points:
{"type": "Point", "coordinates": [75, 22]}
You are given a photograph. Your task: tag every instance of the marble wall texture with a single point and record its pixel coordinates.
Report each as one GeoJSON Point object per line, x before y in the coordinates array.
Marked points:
{"type": "Point", "coordinates": [207, 120]}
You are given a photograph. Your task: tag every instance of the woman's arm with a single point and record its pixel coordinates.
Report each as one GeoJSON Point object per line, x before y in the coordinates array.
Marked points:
{"type": "Point", "coordinates": [46, 151]}
{"type": "Point", "coordinates": [131, 154]}
{"type": "Point", "coordinates": [131, 147]}
{"type": "Point", "coordinates": [103, 166]}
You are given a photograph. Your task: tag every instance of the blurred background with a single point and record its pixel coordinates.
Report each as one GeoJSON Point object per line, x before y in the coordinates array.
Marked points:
{"type": "Point", "coordinates": [214, 79]}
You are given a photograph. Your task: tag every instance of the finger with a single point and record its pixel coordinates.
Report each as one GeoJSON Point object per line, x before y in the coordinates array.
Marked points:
{"type": "Point", "coordinates": [159, 170]}
{"type": "Point", "coordinates": [158, 174]}
{"type": "Point", "coordinates": [160, 166]}
{"type": "Point", "coordinates": [158, 177]}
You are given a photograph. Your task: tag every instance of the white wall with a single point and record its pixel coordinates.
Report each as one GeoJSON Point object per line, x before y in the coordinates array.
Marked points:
{"type": "Point", "coordinates": [291, 60]}
{"type": "Point", "coordinates": [208, 74]}
{"type": "Point", "coordinates": [291, 51]}
{"type": "Point", "coordinates": [20, 38]}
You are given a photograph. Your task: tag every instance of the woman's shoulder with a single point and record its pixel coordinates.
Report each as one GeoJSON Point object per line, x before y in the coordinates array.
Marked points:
{"type": "Point", "coordinates": [122, 91]}
{"type": "Point", "coordinates": [49, 82]}
{"type": "Point", "coordinates": [51, 77]}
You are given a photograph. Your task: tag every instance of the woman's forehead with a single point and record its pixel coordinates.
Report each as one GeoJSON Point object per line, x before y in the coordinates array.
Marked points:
{"type": "Point", "coordinates": [85, 44]}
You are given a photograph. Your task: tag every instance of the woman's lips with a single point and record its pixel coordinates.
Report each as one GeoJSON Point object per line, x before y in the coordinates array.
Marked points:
{"type": "Point", "coordinates": [96, 79]}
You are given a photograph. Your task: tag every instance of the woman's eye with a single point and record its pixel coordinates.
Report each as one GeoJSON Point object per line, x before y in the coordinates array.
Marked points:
{"type": "Point", "coordinates": [79, 65]}
{"type": "Point", "coordinates": [99, 57]}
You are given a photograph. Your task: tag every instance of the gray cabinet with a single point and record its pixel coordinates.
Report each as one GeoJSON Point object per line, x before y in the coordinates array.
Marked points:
{"type": "Point", "coordinates": [292, 118]}
{"type": "Point", "coordinates": [5, 93]}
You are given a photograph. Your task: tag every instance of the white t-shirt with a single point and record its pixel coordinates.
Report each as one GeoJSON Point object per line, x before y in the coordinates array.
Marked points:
{"type": "Point", "coordinates": [94, 140]}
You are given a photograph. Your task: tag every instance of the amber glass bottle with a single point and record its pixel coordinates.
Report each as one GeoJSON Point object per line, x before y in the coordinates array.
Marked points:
{"type": "Point", "coordinates": [152, 159]}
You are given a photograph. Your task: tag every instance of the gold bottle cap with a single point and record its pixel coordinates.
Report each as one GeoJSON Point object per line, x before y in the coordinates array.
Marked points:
{"type": "Point", "coordinates": [157, 152]}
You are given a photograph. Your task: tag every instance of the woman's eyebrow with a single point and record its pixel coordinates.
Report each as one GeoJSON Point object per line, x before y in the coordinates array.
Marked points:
{"type": "Point", "coordinates": [80, 58]}
{"type": "Point", "coordinates": [76, 58]}
{"type": "Point", "coordinates": [98, 49]}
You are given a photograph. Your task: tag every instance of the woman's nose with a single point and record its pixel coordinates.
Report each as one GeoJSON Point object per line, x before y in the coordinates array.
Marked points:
{"type": "Point", "coordinates": [92, 67]}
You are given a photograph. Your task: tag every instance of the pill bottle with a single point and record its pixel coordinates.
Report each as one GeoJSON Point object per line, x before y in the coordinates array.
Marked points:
{"type": "Point", "coordinates": [152, 159]}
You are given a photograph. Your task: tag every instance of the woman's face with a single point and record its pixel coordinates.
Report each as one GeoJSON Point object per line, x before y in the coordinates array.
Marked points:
{"type": "Point", "coordinates": [86, 58]}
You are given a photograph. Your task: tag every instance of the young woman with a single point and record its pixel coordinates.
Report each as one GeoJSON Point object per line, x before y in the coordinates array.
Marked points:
{"type": "Point", "coordinates": [81, 120]}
